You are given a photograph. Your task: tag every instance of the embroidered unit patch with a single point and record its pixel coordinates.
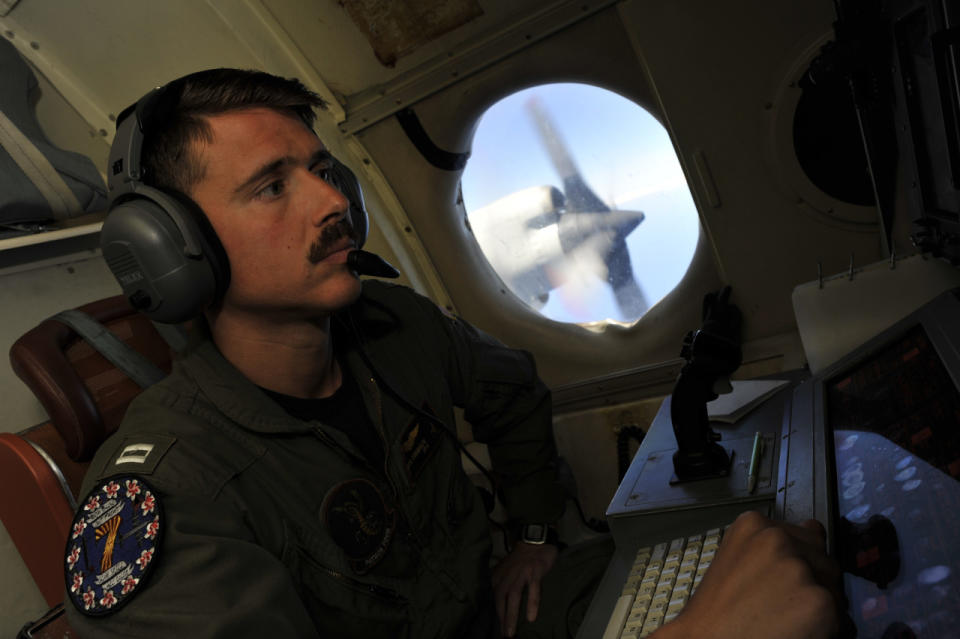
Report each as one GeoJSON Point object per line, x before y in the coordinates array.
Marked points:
{"type": "Point", "coordinates": [112, 545]}
{"type": "Point", "coordinates": [359, 521]}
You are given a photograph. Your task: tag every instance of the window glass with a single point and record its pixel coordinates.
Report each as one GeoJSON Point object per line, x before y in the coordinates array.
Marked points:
{"type": "Point", "coordinates": [576, 197]}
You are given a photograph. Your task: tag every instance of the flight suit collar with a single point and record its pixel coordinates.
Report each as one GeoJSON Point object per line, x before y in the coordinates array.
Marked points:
{"type": "Point", "coordinates": [361, 333]}
{"type": "Point", "coordinates": [234, 395]}
{"type": "Point", "coordinates": [243, 402]}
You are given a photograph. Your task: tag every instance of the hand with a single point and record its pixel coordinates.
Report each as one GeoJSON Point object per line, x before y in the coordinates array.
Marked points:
{"type": "Point", "coordinates": [767, 580]}
{"type": "Point", "coordinates": [523, 568]}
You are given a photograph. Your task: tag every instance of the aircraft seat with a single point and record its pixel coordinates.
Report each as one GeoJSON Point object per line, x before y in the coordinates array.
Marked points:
{"type": "Point", "coordinates": [86, 396]}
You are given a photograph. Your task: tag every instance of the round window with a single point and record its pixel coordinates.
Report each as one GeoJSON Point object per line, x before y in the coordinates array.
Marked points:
{"type": "Point", "coordinates": [577, 199]}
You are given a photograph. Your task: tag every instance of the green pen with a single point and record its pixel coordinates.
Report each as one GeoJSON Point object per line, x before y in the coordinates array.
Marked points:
{"type": "Point", "coordinates": [754, 463]}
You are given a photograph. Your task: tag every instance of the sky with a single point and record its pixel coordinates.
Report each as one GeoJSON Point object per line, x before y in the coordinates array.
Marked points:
{"type": "Point", "coordinates": [626, 157]}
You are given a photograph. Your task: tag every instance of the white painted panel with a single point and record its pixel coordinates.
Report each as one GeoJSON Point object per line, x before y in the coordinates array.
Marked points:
{"type": "Point", "coordinates": [103, 56]}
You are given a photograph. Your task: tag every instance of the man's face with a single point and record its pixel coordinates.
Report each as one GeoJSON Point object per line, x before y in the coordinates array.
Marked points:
{"type": "Point", "coordinates": [284, 228]}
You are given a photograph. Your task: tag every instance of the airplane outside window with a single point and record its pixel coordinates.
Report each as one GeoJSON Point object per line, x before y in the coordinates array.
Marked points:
{"type": "Point", "coordinates": [576, 197]}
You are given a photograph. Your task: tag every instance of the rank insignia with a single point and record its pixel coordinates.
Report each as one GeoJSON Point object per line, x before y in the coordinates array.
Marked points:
{"type": "Point", "coordinates": [112, 545]}
{"type": "Point", "coordinates": [360, 522]}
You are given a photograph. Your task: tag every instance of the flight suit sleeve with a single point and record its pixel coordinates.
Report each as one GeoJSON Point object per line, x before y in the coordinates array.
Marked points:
{"type": "Point", "coordinates": [509, 409]}
{"type": "Point", "coordinates": [211, 579]}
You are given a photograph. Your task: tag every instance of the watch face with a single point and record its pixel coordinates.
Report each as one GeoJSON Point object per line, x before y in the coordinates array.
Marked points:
{"type": "Point", "coordinates": [534, 533]}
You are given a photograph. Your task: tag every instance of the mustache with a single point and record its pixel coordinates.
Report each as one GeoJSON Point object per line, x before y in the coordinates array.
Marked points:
{"type": "Point", "coordinates": [329, 237]}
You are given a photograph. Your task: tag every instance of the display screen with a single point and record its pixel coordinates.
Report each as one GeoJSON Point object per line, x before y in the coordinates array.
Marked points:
{"type": "Point", "coordinates": [895, 420]}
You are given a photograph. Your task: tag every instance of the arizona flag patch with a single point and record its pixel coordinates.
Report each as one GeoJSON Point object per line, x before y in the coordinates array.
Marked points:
{"type": "Point", "coordinates": [112, 545]}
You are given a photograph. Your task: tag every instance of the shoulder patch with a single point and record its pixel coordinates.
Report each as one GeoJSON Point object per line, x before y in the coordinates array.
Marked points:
{"type": "Point", "coordinates": [113, 544]}
{"type": "Point", "coordinates": [139, 454]}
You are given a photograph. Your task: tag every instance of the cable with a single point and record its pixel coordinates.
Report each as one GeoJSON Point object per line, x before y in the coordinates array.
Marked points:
{"type": "Point", "coordinates": [626, 433]}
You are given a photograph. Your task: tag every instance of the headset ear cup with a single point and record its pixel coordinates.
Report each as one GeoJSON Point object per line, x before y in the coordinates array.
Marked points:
{"type": "Point", "coordinates": [165, 256]}
{"type": "Point", "coordinates": [213, 250]}
{"type": "Point", "coordinates": [346, 182]}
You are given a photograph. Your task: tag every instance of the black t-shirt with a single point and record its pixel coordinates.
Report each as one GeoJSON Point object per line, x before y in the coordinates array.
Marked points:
{"type": "Point", "coordinates": [343, 410]}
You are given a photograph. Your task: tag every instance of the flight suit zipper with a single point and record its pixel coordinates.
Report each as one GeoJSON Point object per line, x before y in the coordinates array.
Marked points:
{"type": "Point", "coordinates": [335, 445]}
{"type": "Point", "coordinates": [378, 426]}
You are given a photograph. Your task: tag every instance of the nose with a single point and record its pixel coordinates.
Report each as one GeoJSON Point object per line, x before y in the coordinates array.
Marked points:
{"type": "Point", "coordinates": [329, 204]}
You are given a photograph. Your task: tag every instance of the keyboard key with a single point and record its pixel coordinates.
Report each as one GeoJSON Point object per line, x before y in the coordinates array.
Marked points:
{"type": "Point", "coordinates": [689, 565]}
{"type": "Point", "coordinates": [663, 590]}
{"type": "Point", "coordinates": [682, 590]}
{"type": "Point", "coordinates": [637, 616]}
{"type": "Point", "coordinates": [676, 604]}
{"type": "Point", "coordinates": [659, 604]}
{"type": "Point", "coordinates": [633, 627]}
{"type": "Point", "coordinates": [631, 584]}
{"type": "Point", "coordinates": [677, 545]}
{"type": "Point", "coordinates": [647, 587]}
{"type": "Point", "coordinates": [652, 623]}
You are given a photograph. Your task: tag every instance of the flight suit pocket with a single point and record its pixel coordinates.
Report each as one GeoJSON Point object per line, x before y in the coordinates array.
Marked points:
{"type": "Point", "coordinates": [341, 604]}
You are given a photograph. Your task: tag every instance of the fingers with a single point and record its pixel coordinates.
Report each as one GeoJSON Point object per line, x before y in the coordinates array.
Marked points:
{"type": "Point", "coordinates": [533, 600]}
{"type": "Point", "coordinates": [812, 548]}
{"type": "Point", "coordinates": [807, 541]}
{"type": "Point", "coordinates": [512, 610]}
{"type": "Point", "coordinates": [508, 589]}
{"type": "Point", "coordinates": [521, 570]}
{"type": "Point", "coordinates": [509, 596]}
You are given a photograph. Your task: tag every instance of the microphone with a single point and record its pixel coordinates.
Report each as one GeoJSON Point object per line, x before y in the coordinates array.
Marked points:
{"type": "Point", "coordinates": [366, 263]}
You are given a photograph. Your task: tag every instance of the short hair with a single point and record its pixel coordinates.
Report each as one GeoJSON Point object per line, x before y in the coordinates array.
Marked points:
{"type": "Point", "coordinates": [169, 158]}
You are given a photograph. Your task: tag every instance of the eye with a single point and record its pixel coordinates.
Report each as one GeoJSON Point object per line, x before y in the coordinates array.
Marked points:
{"type": "Point", "coordinates": [323, 170]}
{"type": "Point", "coordinates": [271, 191]}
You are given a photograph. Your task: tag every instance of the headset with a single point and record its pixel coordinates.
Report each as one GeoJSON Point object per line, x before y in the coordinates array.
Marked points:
{"type": "Point", "coordinates": [158, 243]}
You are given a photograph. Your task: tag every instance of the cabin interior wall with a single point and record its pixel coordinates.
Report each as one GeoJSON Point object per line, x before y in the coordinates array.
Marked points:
{"type": "Point", "coordinates": [587, 440]}
{"type": "Point", "coordinates": [719, 73]}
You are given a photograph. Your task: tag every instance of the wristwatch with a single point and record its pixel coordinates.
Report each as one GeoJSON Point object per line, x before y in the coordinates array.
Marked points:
{"type": "Point", "coordinates": [538, 534]}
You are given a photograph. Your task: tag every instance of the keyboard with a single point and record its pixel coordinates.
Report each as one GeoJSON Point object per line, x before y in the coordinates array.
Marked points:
{"type": "Point", "coordinates": [661, 580]}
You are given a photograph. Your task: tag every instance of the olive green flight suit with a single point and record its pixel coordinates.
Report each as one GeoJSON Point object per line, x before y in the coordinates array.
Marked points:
{"type": "Point", "coordinates": [271, 524]}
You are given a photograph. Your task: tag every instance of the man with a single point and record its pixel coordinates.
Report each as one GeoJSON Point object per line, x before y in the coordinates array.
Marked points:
{"type": "Point", "coordinates": [297, 475]}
